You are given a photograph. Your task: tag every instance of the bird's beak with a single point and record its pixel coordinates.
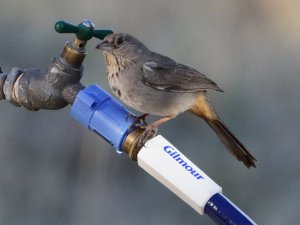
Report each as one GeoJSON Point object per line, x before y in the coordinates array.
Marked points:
{"type": "Point", "coordinates": [105, 46]}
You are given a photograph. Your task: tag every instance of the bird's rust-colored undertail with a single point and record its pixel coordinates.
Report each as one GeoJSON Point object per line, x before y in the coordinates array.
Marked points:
{"type": "Point", "coordinates": [205, 110]}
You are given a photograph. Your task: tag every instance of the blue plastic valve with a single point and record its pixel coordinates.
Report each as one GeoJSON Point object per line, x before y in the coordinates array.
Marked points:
{"type": "Point", "coordinates": [100, 112]}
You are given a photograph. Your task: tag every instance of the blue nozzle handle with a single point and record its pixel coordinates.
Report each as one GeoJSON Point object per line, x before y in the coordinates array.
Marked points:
{"type": "Point", "coordinates": [100, 112]}
{"type": "Point", "coordinates": [224, 212]}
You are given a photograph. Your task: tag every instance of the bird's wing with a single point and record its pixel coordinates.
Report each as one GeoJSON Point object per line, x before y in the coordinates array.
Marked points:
{"type": "Point", "coordinates": [167, 75]}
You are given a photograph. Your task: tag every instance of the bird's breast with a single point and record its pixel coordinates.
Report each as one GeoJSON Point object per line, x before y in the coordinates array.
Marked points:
{"type": "Point", "coordinates": [111, 62]}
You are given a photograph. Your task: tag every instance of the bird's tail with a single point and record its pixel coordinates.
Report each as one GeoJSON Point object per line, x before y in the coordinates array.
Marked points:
{"type": "Point", "coordinates": [204, 109]}
{"type": "Point", "coordinates": [232, 143]}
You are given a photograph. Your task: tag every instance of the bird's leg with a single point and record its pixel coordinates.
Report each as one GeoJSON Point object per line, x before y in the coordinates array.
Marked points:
{"type": "Point", "coordinates": [142, 118]}
{"type": "Point", "coordinates": [151, 130]}
{"type": "Point", "coordinates": [138, 120]}
{"type": "Point", "coordinates": [130, 116]}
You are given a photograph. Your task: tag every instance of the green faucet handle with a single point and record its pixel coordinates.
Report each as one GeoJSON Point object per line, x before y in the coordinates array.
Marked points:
{"type": "Point", "coordinates": [84, 31]}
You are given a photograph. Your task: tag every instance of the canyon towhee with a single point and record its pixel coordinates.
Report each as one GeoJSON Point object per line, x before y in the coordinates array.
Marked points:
{"type": "Point", "coordinates": [155, 84]}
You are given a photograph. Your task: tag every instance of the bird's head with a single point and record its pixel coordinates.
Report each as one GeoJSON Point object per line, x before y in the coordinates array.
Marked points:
{"type": "Point", "coordinates": [122, 45]}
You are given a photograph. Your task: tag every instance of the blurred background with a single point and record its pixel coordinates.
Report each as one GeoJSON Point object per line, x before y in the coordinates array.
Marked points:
{"type": "Point", "coordinates": [54, 171]}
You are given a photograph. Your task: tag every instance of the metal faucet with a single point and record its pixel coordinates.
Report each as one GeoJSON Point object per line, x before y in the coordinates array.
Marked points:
{"type": "Point", "coordinates": [57, 87]}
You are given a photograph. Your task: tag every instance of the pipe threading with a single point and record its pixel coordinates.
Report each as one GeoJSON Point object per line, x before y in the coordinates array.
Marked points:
{"type": "Point", "coordinates": [132, 144]}
{"type": "Point", "coordinates": [73, 56]}
{"type": "Point", "coordinates": [2, 81]}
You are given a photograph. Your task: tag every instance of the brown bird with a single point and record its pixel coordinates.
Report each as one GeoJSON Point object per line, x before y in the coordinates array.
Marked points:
{"type": "Point", "coordinates": [155, 84]}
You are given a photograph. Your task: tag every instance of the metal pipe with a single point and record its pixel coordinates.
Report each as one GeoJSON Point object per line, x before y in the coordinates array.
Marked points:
{"type": "Point", "coordinates": [7, 88]}
{"type": "Point", "coordinates": [52, 89]}
{"type": "Point", "coordinates": [2, 80]}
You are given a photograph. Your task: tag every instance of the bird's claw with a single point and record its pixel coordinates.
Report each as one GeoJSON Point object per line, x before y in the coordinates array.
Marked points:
{"type": "Point", "coordinates": [138, 120]}
{"type": "Point", "coordinates": [129, 116]}
{"type": "Point", "coordinates": [149, 132]}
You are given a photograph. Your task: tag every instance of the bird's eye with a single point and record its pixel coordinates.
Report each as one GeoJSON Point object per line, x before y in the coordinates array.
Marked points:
{"type": "Point", "coordinates": [119, 41]}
